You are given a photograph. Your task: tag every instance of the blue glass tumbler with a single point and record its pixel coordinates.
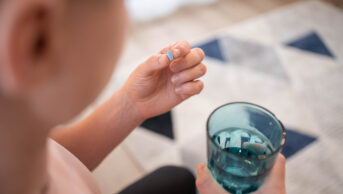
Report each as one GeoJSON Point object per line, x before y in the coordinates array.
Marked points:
{"type": "Point", "coordinates": [243, 141]}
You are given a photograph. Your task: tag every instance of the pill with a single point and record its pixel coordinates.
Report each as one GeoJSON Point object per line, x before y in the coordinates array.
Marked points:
{"type": "Point", "coordinates": [170, 55]}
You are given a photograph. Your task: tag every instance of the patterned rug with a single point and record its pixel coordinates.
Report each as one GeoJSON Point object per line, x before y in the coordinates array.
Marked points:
{"type": "Point", "coordinates": [289, 61]}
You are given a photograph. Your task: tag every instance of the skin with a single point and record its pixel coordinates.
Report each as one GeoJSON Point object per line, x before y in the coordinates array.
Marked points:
{"type": "Point", "coordinates": [55, 58]}
{"type": "Point", "coordinates": [150, 84]}
{"type": "Point", "coordinates": [274, 183]}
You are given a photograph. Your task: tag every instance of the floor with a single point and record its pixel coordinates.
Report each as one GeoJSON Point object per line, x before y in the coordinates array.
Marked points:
{"type": "Point", "coordinates": [121, 167]}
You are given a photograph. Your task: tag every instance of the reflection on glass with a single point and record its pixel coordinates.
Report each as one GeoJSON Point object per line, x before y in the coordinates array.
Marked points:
{"type": "Point", "coordinates": [243, 142]}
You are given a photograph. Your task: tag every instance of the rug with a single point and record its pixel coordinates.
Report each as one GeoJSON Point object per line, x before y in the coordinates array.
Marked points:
{"type": "Point", "coordinates": [291, 62]}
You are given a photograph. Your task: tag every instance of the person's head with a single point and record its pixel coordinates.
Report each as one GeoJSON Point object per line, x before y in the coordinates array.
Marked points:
{"type": "Point", "coordinates": [57, 55]}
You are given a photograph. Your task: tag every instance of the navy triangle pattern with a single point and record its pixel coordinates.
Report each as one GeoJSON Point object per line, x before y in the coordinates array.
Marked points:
{"type": "Point", "coordinates": [212, 49]}
{"type": "Point", "coordinates": [311, 43]}
{"type": "Point", "coordinates": [161, 124]}
{"type": "Point", "coordinates": [296, 141]}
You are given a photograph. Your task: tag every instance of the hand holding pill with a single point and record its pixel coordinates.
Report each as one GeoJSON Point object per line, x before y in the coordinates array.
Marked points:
{"type": "Point", "coordinates": [166, 79]}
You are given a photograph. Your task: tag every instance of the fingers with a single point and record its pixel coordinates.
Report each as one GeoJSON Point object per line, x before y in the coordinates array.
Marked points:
{"type": "Point", "coordinates": [275, 182]}
{"type": "Point", "coordinates": [184, 58]}
{"type": "Point", "coordinates": [189, 89]}
{"type": "Point", "coordinates": [189, 74]}
{"type": "Point", "coordinates": [153, 63]}
{"type": "Point", "coordinates": [277, 173]}
{"type": "Point", "coordinates": [279, 167]}
{"type": "Point", "coordinates": [179, 49]}
{"type": "Point", "coordinates": [205, 182]}
{"type": "Point", "coordinates": [194, 57]}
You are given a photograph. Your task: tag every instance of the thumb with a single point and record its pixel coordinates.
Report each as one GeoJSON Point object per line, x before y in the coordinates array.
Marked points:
{"type": "Point", "coordinates": [275, 182]}
{"type": "Point", "coordinates": [154, 63]}
{"type": "Point", "coordinates": [205, 182]}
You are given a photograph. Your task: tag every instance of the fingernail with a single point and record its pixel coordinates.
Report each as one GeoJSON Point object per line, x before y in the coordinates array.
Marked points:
{"type": "Point", "coordinates": [174, 79]}
{"type": "Point", "coordinates": [178, 89]}
{"type": "Point", "coordinates": [176, 53]}
{"type": "Point", "coordinates": [161, 60]}
{"type": "Point", "coordinates": [200, 167]}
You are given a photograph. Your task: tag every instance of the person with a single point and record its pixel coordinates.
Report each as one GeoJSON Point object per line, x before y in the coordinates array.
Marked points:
{"type": "Point", "coordinates": [274, 183]}
{"type": "Point", "coordinates": [55, 58]}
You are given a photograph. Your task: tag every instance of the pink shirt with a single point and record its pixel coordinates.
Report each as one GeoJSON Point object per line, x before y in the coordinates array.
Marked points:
{"type": "Point", "coordinates": [67, 173]}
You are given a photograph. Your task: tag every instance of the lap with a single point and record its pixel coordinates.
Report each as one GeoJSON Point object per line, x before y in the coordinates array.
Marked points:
{"type": "Point", "coordinates": [165, 180]}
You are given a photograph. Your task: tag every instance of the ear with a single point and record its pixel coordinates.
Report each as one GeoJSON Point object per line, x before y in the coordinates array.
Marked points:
{"type": "Point", "coordinates": [27, 50]}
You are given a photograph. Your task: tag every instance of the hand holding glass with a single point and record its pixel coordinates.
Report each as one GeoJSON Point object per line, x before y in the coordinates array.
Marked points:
{"type": "Point", "coordinates": [243, 141]}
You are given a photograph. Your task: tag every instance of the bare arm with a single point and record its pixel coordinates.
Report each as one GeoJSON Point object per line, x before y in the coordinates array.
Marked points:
{"type": "Point", "coordinates": [156, 86]}
{"type": "Point", "coordinates": [94, 137]}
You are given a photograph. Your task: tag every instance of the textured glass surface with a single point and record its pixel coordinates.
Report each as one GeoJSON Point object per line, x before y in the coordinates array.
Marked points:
{"type": "Point", "coordinates": [243, 142]}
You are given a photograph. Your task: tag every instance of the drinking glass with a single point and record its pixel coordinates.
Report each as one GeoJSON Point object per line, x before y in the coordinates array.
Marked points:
{"type": "Point", "coordinates": [243, 141]}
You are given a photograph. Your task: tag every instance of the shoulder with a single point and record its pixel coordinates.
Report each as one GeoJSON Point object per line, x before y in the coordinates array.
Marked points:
{"type": "Point", "coordinates": [67, 173]}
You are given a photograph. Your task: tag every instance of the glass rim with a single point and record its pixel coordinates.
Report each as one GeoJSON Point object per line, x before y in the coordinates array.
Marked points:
{"type": "Point", "coordinates": [261, 157]}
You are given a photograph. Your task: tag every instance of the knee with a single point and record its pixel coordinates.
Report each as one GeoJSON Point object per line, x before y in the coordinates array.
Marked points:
{"type": "Point", "coordinates": [178, 174]}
